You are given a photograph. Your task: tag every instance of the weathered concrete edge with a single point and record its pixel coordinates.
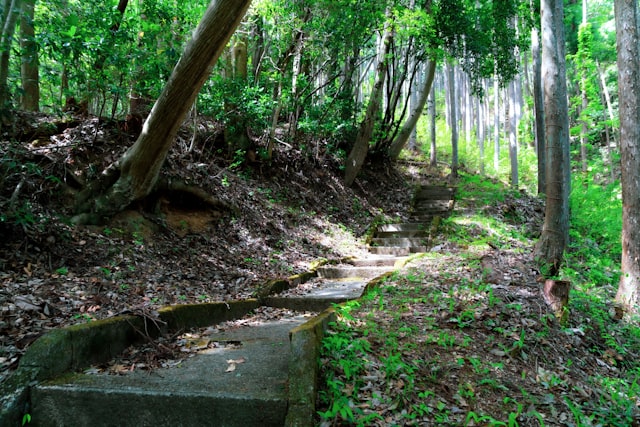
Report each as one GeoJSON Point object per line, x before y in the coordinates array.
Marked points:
{"type": "Point", "coordinates": [305, 341]}
{"type": "Point", "coordinates": [58, 351]}
{"type": "Point", "coordinates": [275, 286]}
{"type": "Point", "coordinates": [77, 346]}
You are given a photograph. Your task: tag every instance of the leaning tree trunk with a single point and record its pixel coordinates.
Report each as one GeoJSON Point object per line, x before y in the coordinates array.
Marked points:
{"type": "Point", "coordinates": [629, 99]}
{"type": "Point", "coordinates": [360, 148]}
{"type": "Point", "coordinates": [134, 175]}
{"type": "Point", "coordinates": [410, 124]}
{"type": "Point", "coordinates": [550, 248]}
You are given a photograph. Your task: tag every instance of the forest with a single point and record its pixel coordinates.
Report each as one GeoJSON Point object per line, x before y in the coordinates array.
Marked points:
{"type": "Point", "coordinates": [158, 152]}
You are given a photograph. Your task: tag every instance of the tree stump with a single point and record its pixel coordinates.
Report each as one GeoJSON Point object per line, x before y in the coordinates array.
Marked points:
{"type": "Point", "coordinates": [556, 295]}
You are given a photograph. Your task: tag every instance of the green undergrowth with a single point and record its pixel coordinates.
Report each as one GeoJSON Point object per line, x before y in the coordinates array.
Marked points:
{"type": "Point", "coordinates": [437, 345]}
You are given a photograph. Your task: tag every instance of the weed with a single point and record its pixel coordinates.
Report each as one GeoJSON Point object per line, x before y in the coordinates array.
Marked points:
{"type": "Point", "coordinates": [63, 271]}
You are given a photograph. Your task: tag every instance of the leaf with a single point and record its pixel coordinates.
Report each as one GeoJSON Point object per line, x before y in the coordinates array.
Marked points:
{"type": "Point", "coordinates": [233, 362]}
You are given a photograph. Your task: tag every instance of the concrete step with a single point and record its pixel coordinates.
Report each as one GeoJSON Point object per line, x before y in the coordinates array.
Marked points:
{"type": "Point", "coordinates": [410, 226]}
{"type": "Point", "coordinates": [318, 295]}
{"type": "Point", "coordinates": [424, 217]}
{"type": "Point", "coordinates": [435, 192]}
{"type": "Point", "coordinates": [402, 234]}
{"type": "Point", "coordinates": [199, 391]}
{"type": "Point", "coordinates": [396, 250]}
{"type": "Point", "coordinates": [379, 261]}
{"type": "Point", "coordinates": [442, 204]}
{"type": "Point", "coordinates": [399, 242]}
{"type": "Point", "coordinates": [350, 271]}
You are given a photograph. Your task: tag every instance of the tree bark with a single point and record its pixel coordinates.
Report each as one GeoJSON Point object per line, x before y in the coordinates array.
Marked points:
{"type": "Point", "coordinates": [627, 40]}
{"type": "Point", "coordinates": [133, 176]}
{"type": "Point", "coordinates": [454, 119]}
{"type": "Point", "coordinates": [9, 19]}
{"type": "Point", "coordinates": [512, 127]}
{"type": "Point", "coordinates": [360, 148]}
{"type": "Point", "coordinates": [29, 67]}
{"type": "Point", "coordinates": [410, 124]}
{"type": "Point", "coordinates": [549, 250]}
{"type": "Point", "coordinates": [433, 156]}
{"type": "Point", "coordinates": [496, 124]}
{"type": "Point", "coordinates": [538, 110]}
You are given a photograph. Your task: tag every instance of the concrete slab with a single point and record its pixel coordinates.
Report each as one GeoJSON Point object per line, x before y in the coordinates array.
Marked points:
{"type": "Point", "coordinates": [380, 260]}
{"type": "Point", "coordinates": [198, 391]}
{"type": "Point", "coordinates": [350, 271]}
{"type": "Point", "coordinates": [399, 242]}
{"type": "Point", "coordinates": [410, 226]}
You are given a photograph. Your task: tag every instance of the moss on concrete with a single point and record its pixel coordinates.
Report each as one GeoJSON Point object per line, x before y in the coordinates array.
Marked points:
{"type": "Point", "coordinates": [187, 316]}
{"type": "Point", "coordinates": [305, 341]}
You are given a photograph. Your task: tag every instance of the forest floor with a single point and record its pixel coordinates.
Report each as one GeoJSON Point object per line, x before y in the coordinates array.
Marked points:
{"type": "Point", "coordinates": [490, 336]}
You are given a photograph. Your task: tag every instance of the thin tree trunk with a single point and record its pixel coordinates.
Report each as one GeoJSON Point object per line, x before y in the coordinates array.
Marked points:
{"type": "Point", "coordinates": [410, 124]}
{"type": "Point", "coordinates": [584, 129]}
{"type": "Point", "coordinates": [11, 13]}
{"type": "Point", "coordinates": [360, 148]}
{"type": "Point", "coordinates": [496, 124]}
{"type": "Point", "coordinates": [433, 157]}
{"type": "Point", "coordinates": [511, 126]}
{"type": "Point", "coordinates": [610, 130]}
{"type": "Point", "coordinates": [629, 99]}
{"type": "Point", "coordinates": [538, 110]}
{"type": "Point", "coordinates": [454, 121]}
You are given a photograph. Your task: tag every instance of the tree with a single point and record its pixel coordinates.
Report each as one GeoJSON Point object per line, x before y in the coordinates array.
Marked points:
{"type": "Point", "coordinates": [134, 175]}
{"type": "Point", "coordinates": [538, 109]}
{"type": "Point", "coordinates": [410, 124]}
{"type": "Point", "coordinates": [358, 153]}
{"type": "Point", "coordinates": [627, 40]}
{"type": "Point", "coordinates": [29, 67]}
{"type": "Point", "coordinates": [454, 118]}
{"type": "Point", "coordinates": [549, 250]}
{"type": "Point", "coordinates": [9, 14]}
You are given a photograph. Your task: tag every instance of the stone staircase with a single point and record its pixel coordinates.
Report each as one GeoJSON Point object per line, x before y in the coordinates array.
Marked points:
{"type": "Point", "coordinates": [273, 385]}
{"type": "Point", "coordinates": [429, 205]}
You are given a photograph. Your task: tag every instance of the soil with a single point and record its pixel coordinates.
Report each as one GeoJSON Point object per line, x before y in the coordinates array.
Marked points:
{"type": "Point", "coordinates": [271, 220]}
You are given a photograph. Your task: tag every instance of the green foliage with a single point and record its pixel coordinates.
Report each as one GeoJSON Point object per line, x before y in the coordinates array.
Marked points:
{"type": "Point", "coordinates": [595, 233]}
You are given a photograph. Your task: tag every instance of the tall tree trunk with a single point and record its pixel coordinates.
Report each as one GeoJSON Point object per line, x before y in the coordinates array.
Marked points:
{"type": "Point", "coordinates": [550, 247]}
{"type": "Point", "coordinates": [134, 175]}
{"type": "Point", "coordinates": [454, 119]}
{"type": "Point", "coordinates": [481, 130]}
{"type": "Point", "coordinates": [29, 67]}
{"type": "Point", "coordinates": [512, 128]}
{"type": "Point", "coordinates": [9, 19]}
{"type": "Point", "coordinates": [584, 126]}
{"type": "Point", "coordinates": [410, 124]}
{"type": "Point", "coordinates": [538, 110]}
{"type": "Point", "coordinates": [627, 40]}
{"type": "Point", "coordinates": [235, 131]}
{"type": "Point", "coordinates": [360, 148]}
{"type": "Point", "coordinates": [433, 156]}
{"type": "Point", "coordinates": [496, 124]}
{"type": "Point", "coordinates": [609, 133]}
